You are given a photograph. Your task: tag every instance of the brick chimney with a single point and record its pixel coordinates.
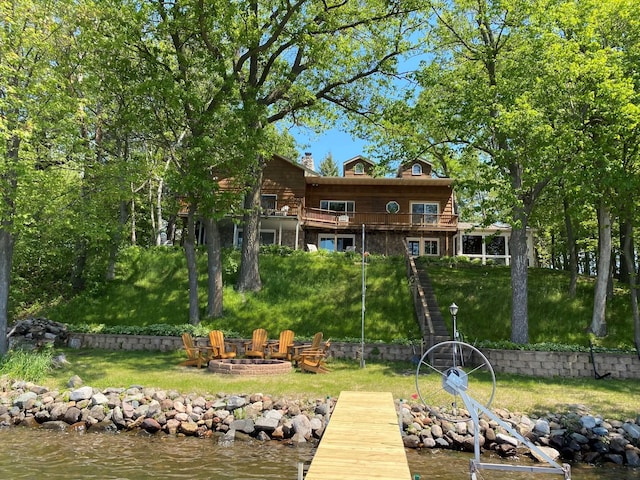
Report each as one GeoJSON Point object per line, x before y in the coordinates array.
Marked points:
{"type": "Point", "coordinates": [307, 161]}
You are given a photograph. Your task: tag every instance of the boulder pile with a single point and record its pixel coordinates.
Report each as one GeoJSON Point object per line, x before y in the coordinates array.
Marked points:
{"type": "Point", "coordinates": [153, 410]}
{"type": "Point", "coordinates": [574, 436]}
{"type": "Point", "coordinates": [37, 332]}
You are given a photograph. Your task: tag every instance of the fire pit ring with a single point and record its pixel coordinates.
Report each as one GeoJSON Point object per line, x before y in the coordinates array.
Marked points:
{"type": "Point", "coordinates": [249, 366]}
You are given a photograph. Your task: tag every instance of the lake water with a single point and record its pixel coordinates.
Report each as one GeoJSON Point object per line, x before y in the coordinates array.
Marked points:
{"type": "Point", "coordinates": [27, 454]}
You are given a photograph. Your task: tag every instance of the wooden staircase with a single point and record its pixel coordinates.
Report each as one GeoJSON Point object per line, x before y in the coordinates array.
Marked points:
{"type": "Point", "coordinates": [432, 324]}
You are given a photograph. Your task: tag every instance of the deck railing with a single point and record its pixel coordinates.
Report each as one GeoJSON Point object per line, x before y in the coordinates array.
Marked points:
{"type": "Point", "coordinates": [329, 217]}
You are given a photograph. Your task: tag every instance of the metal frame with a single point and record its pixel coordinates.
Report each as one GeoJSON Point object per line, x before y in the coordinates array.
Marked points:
{"type": "Point", "coordinates": [457, 384]}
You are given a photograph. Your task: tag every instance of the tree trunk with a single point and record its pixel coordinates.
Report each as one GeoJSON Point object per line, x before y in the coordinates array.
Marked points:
{"type": "Point", "coordinates": [598, 321]}
{"type": "Point", "coordinates": [249, 275]}
{"type": "Point", "coordinates": [159, 226]}
{"type": "Point", "coordinates": [519, 285]}
{"type": "Point", "coordinates": [115, 242]}
{"type": "Point", "coordinates": [624, 274]}
{"type": "Point", "coordinates": [192, 266]}
{"type": "Point", "coordinates": [214, 267]}
{"type": "Point", "coordinates": [79, 264]}
{"type": "Point", "coordinates": [8, 194]}
{"type": "Point", "coordinates": [6, 257]}
{"type": "Point", "coordinates": [571, 246]}
{"type": "Point", "coordinates": [629, 255]}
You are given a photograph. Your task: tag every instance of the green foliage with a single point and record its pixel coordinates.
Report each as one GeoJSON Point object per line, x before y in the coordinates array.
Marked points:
{"type": "Point", "coordinates": [28, 365]}
{"type": "Point", "coordinates": [301, 291]}
{"type": "Point", "coordinates": [483, 294]}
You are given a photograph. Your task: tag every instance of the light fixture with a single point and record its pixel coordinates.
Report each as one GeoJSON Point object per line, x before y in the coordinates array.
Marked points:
{"type": "Point", "coordinates": [453, 309]}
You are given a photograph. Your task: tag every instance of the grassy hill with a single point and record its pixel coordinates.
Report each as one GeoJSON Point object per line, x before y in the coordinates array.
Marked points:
{"type": "Point", "coordinates": [301, 291]}
{"type": "Point", "coordinates": [323, 292]}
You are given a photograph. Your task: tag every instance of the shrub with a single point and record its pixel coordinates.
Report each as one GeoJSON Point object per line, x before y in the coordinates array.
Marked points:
{"type": "Point", "coordinates": [31, 366]}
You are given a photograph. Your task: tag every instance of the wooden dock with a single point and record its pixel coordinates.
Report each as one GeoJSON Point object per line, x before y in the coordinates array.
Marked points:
{"type": "Point", "coordinates": [362, 440]}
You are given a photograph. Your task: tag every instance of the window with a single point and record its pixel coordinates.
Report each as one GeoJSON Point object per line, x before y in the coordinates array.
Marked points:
{"type": "Point", "coordinates": [497, 246]}
{"type": "Point", "coordinates": [347, 206]}
{"type": "Point", "coordinates": [431, 247]}
{"type": "Point", "coordinates": [414, 248]}
{"type": "Point", "coordinates": [267, 237]}
{"type": "Point", "coordinates": [426, 246]}
{"type": "Point", "coordinates": [393, 207]}
{"type": "Point", "coordinates": [422, 213]}
{"type": "Point", "coordinates": [471, 245]}
{"type": "Point", "coordinates": [358, 169]}
{"type": "Point", "coordinates": [268, 202]}
{"type": "Point", "coordinates": [416, 169]}
{"type": "Point", "coordinates": [336, 243]}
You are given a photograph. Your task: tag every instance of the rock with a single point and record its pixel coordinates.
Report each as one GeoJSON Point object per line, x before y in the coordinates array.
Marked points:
{"type": "Point", "coordinates": [632, 430]}
{"type": "Point", "coordinates": [188, 428]}
{"type": "Point", "coordinates": [550, 452]}
{"type": "Point", "coordinates": [25, 399]}
{"type": "Point", "coordinates": [618, 444]}
{"type": "Point", "coordinates": [55, 425]}
{"type": "Point", "coordinates": [235, 402]}
{"type": "Point", "coordinates": [578, 437]}
{"type": "Point", "coordinates": [588, 421]}
{"type": "Point", "coordinates": [99, 399]}
{"type": "Point", "coordinates": [428, 442]}
{"type": "Point", "coordinates": [632, 457]}
{"type": "Point", "coordinates": [266, 423]}
{"type": "Point", "coordinates": [411, 441]}
{"type": "Point", "coordinates": [72, 415]}
{"type": "Point", "coordinates": [542, 427]}
{"type": "Point", "coordinates": [151, 425]}
{"type": "Point", "coordinates": [600, 431]}
{"type": "Point", "coordinates": [436, 431]}
{"type": "Point", "coordinates": [245, 426]}
{"type": "Point", "coordinates": [74, 381]}
{"type": "Point", "coordinates": [302, 426]}
{"type": "Point", "coordinates": [614, 458]}
{"type": "Point", "coordinates": [83, 393]}
{"type": "Point", "coordinates": [502, 438]}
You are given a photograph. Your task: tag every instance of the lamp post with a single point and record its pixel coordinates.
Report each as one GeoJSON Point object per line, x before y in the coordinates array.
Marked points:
{"type": "Point", "coordinates": [453, 310]}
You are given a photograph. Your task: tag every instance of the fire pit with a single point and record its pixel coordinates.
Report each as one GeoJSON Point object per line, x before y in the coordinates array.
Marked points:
{"type": "Point", "coordinates": [249, 366]}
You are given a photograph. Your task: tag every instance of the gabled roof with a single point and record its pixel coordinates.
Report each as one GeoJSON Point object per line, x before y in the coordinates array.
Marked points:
{"type": "Point", "coordinates": [407, 165]}
{"type": "Point", "coordinates": [307, 171]}
{"type": "Point", "coordinates": [358, 158]}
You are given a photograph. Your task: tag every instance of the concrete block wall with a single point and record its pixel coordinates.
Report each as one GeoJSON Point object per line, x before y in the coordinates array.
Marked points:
{"type": "Point", "coordinates": [538, 364]}
{"type": "Point", "coordinates": [563, 364]}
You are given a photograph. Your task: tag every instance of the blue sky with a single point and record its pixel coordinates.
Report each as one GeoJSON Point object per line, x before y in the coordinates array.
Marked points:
{"type": "Point", "coordinates": [341, 145]}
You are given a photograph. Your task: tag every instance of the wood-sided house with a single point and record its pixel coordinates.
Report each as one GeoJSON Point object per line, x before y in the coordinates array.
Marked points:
{"type": "Point", "coordinates": [304, 210]}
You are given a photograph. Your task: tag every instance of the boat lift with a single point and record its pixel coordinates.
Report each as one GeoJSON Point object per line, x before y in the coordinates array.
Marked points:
{"type": "Point", "coordinates": [450, 369]}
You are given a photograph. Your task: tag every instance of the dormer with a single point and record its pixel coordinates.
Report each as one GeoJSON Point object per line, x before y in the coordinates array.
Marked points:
{"type": "Point", "coordinates": [358, 167]}
{"type": "Point", "coordinates": [417, 168]}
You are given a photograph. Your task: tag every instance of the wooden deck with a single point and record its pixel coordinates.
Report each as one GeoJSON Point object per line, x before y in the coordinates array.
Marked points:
{"type": "Point", "coordinates": [362, 440]}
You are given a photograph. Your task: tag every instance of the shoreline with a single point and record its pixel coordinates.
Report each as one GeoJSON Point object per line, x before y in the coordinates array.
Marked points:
{"type": "Point", "coordinates": [574, 436]}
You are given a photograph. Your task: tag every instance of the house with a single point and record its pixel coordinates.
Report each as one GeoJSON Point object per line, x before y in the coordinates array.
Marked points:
{"type": "Point", "coordinates": [304, 210]}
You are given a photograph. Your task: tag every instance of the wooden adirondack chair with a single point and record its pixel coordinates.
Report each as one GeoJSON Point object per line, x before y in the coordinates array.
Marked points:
{"type": "Point", "coordinates": [196, 355]}
{"type": "Point", "coordinates": [314, 345]}
{"type": "Point", "coordinates": [314, 360]}
{"type": "Point", "coordinates": [283, 348]}
{"type": "Point", "coordinates": [221, 349]}
{"type": "Point", "coordinates": [258, 344]}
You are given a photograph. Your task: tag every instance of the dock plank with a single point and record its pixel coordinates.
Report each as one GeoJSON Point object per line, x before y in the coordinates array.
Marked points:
{"type": "Point", "coordinates": [362, 440]}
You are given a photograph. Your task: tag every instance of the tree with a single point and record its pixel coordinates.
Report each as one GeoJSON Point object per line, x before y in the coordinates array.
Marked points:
{"type": "Point", "coordinates": [488, 97]}
{"type": "Point", "coordinates": [328, 167]}
{"type": "Point", "coordinates": [31, 100]}
{"type": "Point", "coordinates": [302, 60]}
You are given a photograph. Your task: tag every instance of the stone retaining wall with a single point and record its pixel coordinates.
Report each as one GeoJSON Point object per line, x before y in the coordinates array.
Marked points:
{"type": "Point", "coordinates": [539, 364]}
{"type": "Point", "coordinates": [563, 364]}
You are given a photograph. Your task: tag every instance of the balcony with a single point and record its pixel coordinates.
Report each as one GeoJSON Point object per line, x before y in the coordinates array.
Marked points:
{"type": "Point", "coordinates": [314, 217]}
